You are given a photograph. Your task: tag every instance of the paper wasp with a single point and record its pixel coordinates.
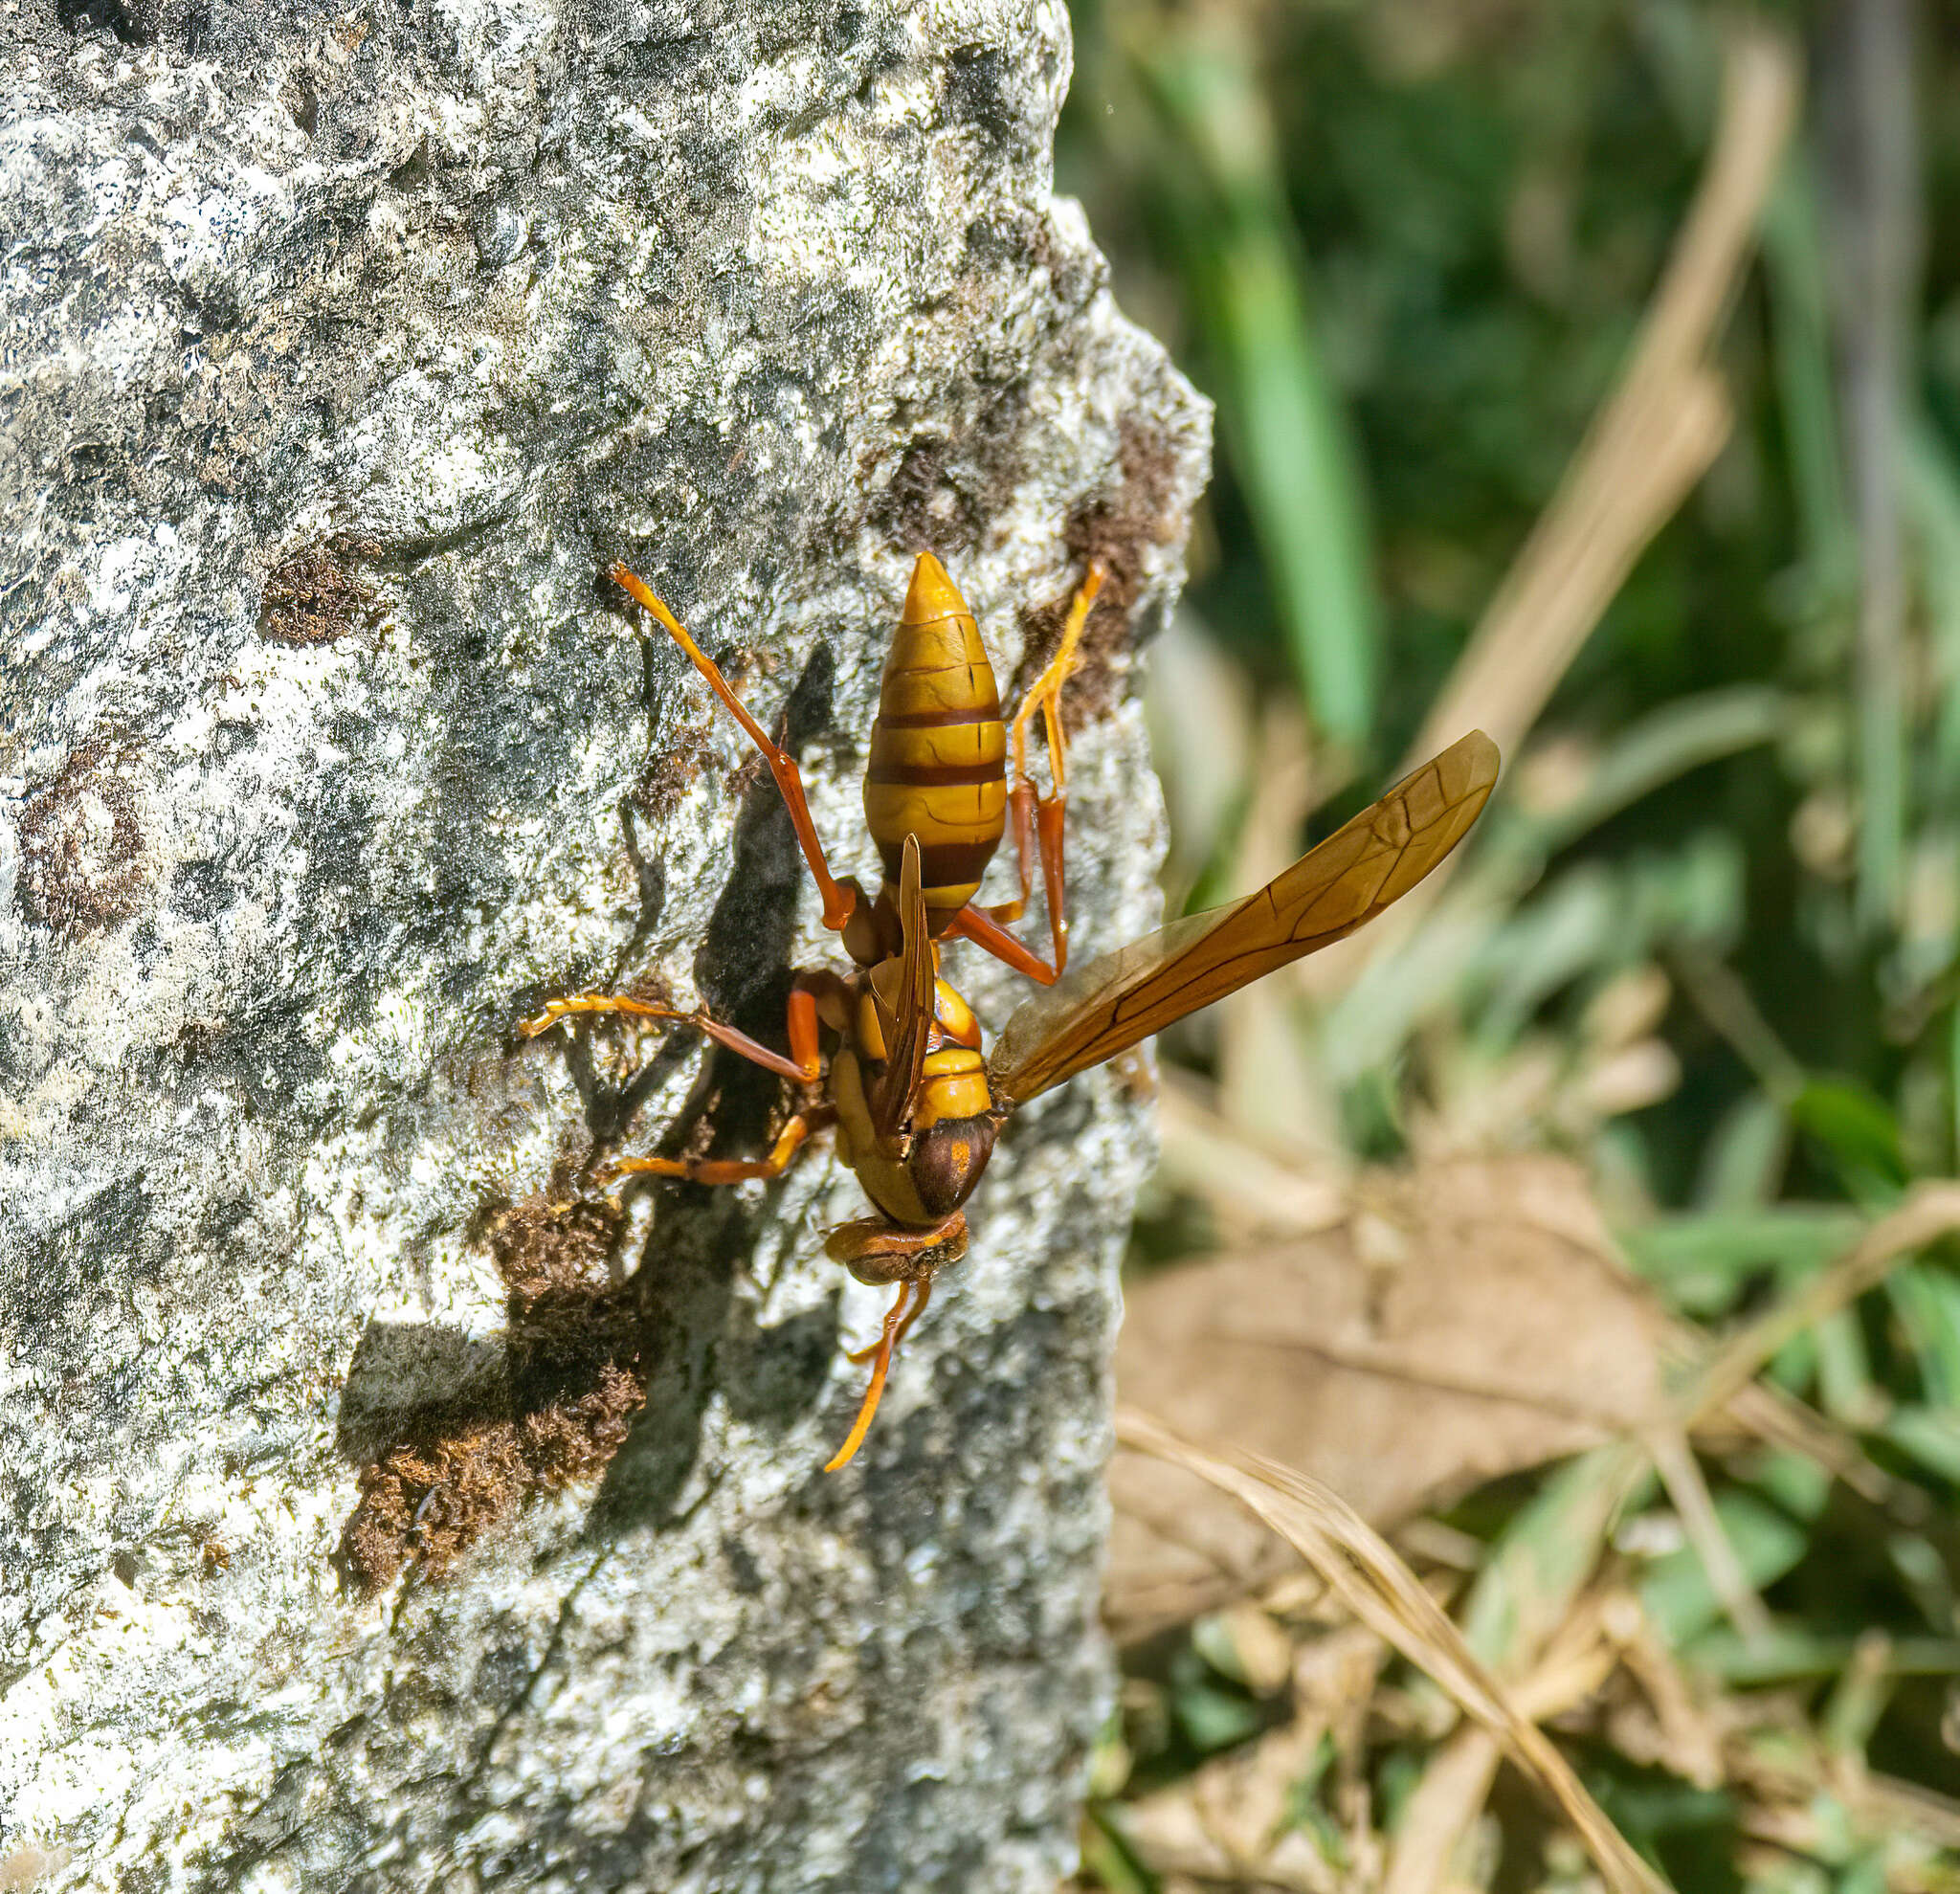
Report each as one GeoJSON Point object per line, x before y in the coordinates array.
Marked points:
{"type": "Point", "coordinates": [894, 1047]}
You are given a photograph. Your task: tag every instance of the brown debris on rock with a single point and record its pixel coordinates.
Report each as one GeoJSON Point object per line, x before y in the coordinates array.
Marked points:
{"type": "Point", "coordinates": [572, 1379]}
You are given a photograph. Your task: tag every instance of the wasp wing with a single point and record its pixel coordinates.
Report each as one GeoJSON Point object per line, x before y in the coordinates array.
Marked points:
{"type": "Point", "coordinates": [906, 1010]}
{"type": "Point", "coordinates": [1123, 997]}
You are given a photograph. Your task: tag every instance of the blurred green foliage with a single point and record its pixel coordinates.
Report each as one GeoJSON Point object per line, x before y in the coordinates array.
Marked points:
{"type": "Point", "coordinates": [1405, 247]}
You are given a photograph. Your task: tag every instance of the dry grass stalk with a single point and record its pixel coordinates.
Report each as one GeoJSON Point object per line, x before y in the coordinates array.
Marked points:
{"type": "Point", "coordinates": [1668, 418]}
{"type": "Point", "coordinates": [1456, 1779]}
{"type": "Point", "coordinates": [1931, 1211]}
{"type": "Point", "coordinates": [1656, 436]}
{"type": "Point", "coordinates": [1681, 1473]}
{"type": "Point", "coordinates": [1649, 447]}
{"type": "Point", "coordinates": [1365, 1573]}
{"type": "Point", "coordinates": [1786, 1777]}
{"type": "Point", "coordinates": [1775, 1417]}
{"type": "Point", "coordinates": [1679, 1730]}
{"type": "Point", "coordinates": [1443, 1325]}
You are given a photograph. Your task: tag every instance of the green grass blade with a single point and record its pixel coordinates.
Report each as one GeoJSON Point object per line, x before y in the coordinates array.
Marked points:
{"type": "Point", "coordinates": [1703, 1263]}
{"type": "Point", "coordinates": [1546, 1554]}
{"type": "Point", "coordinates": [1932, 499]}
{"type": "Point", "coordinates": [1927, 1300]}
{"type": "Point", "coordinates": [1930, 1435]}
{"type": "Point", "coordinates": [1800, 353]}
{"type": "Point", "coordinates": [1676, 1593]}
{"type": "Point", "coordinates": [1283, 428]}
{"type": "Point", "coordinates": [1792, 1655]}
{"type": "Point", "coordinates": [1665, 744]}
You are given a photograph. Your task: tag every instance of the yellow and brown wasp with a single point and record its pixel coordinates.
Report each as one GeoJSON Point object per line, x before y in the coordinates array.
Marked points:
{"type": "Point", "coordinates": [894, 1048]}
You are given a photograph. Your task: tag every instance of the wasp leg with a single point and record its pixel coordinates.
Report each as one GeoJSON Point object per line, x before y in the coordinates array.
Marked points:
{"type": "Point", "coordinates": [839, 898]}
{"type": "Point", "coordinates": [1038, 819]}
{"type": "Point", "coordinates": [876, 1251]}
{"type": "Point", "coordinates": [971, 924]}
{"type": "Point", "coordinates": [923, 1296]}
{"type": "Point", "coordinates": [807, 992]}
{"type": "Point", "coordinates": [726, 1169]}
{"type": "Point", "coordinates": [895, 1324]}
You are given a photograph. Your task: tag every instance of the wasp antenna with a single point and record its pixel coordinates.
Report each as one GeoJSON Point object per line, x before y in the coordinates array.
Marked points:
{"type": "Point", "coordinates": [894, 1324]}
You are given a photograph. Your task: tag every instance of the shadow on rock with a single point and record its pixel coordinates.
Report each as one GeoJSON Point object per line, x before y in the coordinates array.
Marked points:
{"type": "Point", "coordinates": [454, 1433]}
{"type": "Point", "coordinates": [591, 1375]}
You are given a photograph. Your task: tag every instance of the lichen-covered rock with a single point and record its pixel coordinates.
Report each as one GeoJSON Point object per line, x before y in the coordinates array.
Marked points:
{"type": "Point", "coordinates": [383, 1507]}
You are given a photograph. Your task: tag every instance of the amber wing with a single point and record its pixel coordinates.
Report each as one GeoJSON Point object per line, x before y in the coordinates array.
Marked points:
{"type": "Point", "coordinates": [909, 1015]}
{"type": "Point", "coordinates": [1125, 996]}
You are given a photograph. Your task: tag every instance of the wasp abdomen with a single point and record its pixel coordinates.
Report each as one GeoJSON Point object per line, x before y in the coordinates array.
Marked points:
{"type": "Point", "coordinates": [938, 767]}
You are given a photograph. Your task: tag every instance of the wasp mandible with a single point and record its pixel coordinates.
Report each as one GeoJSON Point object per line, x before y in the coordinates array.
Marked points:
{"type": "Point", "coordinates": [895, 1049]}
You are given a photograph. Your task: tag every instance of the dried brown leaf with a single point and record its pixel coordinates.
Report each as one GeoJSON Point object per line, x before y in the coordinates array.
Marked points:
{"type": "Point", "coordinates": [1461, 1321]}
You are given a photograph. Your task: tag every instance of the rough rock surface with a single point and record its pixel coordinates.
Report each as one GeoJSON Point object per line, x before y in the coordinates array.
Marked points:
{"type": "Point", "coordinates": [371, 1521]}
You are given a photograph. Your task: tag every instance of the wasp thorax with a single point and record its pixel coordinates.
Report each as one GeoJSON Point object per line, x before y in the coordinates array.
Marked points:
{"type": "Point", "coordinates": [938, 764]}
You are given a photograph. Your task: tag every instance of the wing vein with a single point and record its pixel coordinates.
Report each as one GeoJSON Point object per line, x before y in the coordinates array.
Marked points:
{"type": "Point", "coordinates": [1362, 868]}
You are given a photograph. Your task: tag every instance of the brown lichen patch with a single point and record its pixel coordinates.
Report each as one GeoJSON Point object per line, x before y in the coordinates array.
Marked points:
{"type": "Point", "coordinates": [314, 594]}
{"type": "Point", "coordinates": [921, 510]}
{"type": "Point", "coordinates": [949, 483]}
{"type": "Point", "coordinates": [668, 774]}
{"type": "Point", "coordinates": [83, 866]}
{"type": "Point", "coordinates": [542, 1245]}
{"type": "Point", "coordinates": [1117, 529]}
{"type": "Point", "coordinates": [574, 1374]}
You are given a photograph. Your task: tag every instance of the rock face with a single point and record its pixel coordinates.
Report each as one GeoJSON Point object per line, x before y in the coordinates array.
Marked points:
{"type": "Point", "coordinates": [385, 1507]}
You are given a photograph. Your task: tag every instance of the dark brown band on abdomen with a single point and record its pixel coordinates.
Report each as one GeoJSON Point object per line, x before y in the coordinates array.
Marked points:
{"type": "Point", "coordinates": [933, 775]}
{"type": "Point", "coordinates": [938, 764]}
{"type": "Point", "coordinates": [953, 864]}
{"type": "Point", "coordinates": [987, 712]}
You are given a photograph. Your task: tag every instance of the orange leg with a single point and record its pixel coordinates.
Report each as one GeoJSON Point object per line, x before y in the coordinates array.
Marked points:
{"type": "Point", "coordinates": [912, 1315]}
{"type": "Point", "coordinates": [974, 923]}
{"type": "Point", "coordinates": [1038, 819]}
{"type": "Point", "coordinates": [876, 1250]}
{"type": "Point", "coordinates": [839, 898]}
{"type": "Point", "coordinates": [726, 1170]}
{"type": "Point", "coordinates": [896, 1323]}
{"type": "Point", "coordinates": [804, 1064]}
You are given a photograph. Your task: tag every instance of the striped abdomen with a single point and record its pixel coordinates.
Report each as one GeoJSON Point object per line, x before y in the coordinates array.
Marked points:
{"type": "Point", "coordinates": [938, 767]}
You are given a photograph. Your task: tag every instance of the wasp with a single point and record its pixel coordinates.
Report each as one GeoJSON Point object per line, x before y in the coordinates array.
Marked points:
{"type": "Point", "coordinates": [889, 1055]}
